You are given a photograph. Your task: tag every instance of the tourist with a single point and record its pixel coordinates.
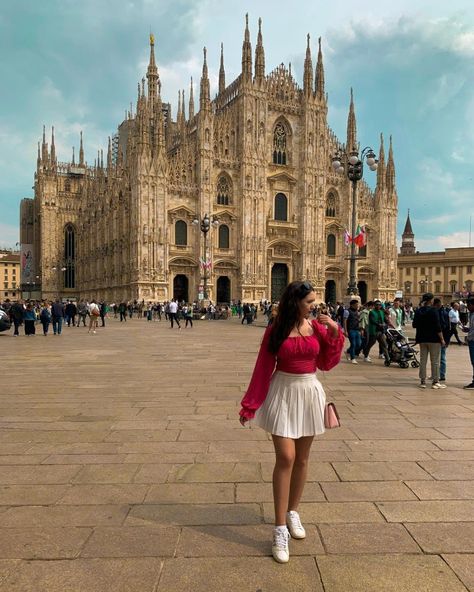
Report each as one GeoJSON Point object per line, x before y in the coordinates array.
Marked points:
{"type": "Point", "coordinates": [123, 312]}
{"type": "Point", "coordinates": [29, 318]}
{"type": "Point", "coordinates": [103, 312]}
{"type": "Point", "coordinates": [470, 338]}
{"type": "Point", "coordinates": [70, 313]}
{"type": "Point", "coordinates": [82, 312]}
{"type": "Point", "coordinates": [94, 314]}
{"type": "Point", "coordinates": [364, 323]}
{"type": "Point", "coordinates": [396, 315]}
{"type": "Point", "coordinates": [289, 401]}
{"type": "Point", "coordinates": [45, 317]}
{"type": "Point", "coordinates": [352, 330]}
{"type": "Point", "coordinates": [188, 315]}
{"type": "Point", "coordinates": [172, 313]}
{"type": "Point", "coordinates": [430, 339]}
{"type": "Point", "coordinates": [445, 325]}
{"type": "Point", "coordinates": [57, 313]}
{"type": "Point", "coordinates": [16, 314]}
{"type": "Point", "coordinates": [376, 331]}
{"type": "Point", "coordinates": [455, 322]}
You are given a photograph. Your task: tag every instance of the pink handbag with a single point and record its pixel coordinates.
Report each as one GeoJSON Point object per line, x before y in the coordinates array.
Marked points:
{"type": "Point", "coordinates": [331, 417]}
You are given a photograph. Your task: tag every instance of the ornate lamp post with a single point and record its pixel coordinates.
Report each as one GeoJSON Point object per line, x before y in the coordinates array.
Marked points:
{"type": "Point", "coordinates": [205, 225]}
{"type": "Point", "coordinates": [353, 166]}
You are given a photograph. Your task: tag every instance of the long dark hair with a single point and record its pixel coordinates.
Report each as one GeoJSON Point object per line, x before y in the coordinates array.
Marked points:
{"type": "Point", "coordinates": [288, 313]}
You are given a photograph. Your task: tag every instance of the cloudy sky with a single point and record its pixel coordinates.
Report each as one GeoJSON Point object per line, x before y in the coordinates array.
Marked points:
{"type": "Point", "coordinates": [75, 65]}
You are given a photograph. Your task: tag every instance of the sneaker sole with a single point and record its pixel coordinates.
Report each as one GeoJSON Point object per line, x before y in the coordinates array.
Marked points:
{"type": "Point", "coordinates": [278, 560]}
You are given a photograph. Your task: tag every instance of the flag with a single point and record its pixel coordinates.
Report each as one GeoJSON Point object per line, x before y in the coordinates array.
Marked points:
{"type": "Point", "coordinates": [347, 238]}
{"type": "Point", "coordinates": [360, 238]}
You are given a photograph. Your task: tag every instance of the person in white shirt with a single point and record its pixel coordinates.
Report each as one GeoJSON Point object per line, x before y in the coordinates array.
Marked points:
{"type": "Point", "coordinates": [94, 314]}
{"type": "Point", "coordinates": [396, 315]}
{"type": "Point", "coordinates": [455, 322]}
{"type": "Point", "coordinates": [172, 313]}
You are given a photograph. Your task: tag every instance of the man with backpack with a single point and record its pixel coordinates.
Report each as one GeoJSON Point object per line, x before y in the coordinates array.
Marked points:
{"type": "Point", "coordinates": [430, 338]}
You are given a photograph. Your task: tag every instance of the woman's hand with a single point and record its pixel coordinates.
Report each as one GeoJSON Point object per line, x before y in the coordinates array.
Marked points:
{"type": "Point", "coordinates": [329, 323]}
{"type": "Point", "coordinates": [243, 420]}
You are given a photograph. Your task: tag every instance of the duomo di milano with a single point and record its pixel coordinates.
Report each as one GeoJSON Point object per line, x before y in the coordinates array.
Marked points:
{"type": "Point", "coordinates": [257, 156]}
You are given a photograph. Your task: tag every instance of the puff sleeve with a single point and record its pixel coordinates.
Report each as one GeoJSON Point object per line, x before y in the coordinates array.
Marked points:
{"type": "Point", "coordinates": [330, 347]}
{"type": "Point", "coordinates": [260, 381]}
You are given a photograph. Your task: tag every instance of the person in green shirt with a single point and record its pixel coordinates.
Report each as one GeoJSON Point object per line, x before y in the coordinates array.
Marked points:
{"type": "Point", "coordinates": [375, 331]}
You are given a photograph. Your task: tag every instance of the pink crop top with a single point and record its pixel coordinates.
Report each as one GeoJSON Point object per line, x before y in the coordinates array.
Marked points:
{"type": "Point", "coordinates": [297, 355]}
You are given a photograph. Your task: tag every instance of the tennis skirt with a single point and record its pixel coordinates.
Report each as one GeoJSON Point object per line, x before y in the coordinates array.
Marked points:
{"type": "Point", "coordinates": [294, 406]}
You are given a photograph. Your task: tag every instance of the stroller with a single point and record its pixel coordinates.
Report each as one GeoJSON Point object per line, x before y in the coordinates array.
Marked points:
{"type": "Point", "coordinates": [400, 350]}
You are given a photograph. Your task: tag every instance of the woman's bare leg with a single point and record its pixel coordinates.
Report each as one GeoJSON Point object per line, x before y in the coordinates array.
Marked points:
{"type": "Point", "coordinates": [285, 457]}
{"type": "Point", "coordinates": [300, 470]}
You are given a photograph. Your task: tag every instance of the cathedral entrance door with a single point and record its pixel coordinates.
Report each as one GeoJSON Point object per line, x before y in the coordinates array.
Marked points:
{"type": "Point", "coordinates": [279, 280]}
{"type": "Point", "coordinates": [180, 288]}
{"type": "Point", "coordinates": [223, 290]}
{"type": "Point", "coordinates": [330, 292]}
{"type": "Point", "coordinates": [362, 287]}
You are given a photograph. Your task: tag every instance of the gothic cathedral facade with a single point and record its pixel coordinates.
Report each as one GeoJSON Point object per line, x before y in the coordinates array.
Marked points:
{"type": "Point", "coordinates": [256, 158]}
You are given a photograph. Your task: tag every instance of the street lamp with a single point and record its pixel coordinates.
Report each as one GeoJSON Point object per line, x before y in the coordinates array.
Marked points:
{"type": "Point", "coordinates": [353, 165]}
{"type": "Point", "coordinates": [205, 225]}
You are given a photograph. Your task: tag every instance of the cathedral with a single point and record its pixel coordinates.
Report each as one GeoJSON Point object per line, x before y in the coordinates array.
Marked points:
{"type": "Point", "coordinates": [253, 163]}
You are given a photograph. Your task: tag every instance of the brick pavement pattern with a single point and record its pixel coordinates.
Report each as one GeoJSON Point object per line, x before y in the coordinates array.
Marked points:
{"type": "Point", "coordinates": [123, 467]}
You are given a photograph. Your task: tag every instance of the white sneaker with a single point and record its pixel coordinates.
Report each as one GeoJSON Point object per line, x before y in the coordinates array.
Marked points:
{"type": "Point", "coordinates": [354, 361]}
{"type": "Point", "coordinates": [422, 385]}
{"type": "Point", "coordinates": [381, 356]}
{"type": "Point", "coordinates": [367, 359]}
{"type": "Point", "coordinates": [437, 385]}
{"type": "Point", "coordinates": [280, 550]}
{"type": "Point", "coordinates": [294, 525]}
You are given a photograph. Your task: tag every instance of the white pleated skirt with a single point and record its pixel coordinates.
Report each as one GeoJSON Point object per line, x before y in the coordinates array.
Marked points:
{"type": "Point", "coordinates": [294, 406]}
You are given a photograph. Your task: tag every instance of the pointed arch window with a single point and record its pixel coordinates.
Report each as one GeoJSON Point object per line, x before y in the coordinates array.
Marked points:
{"type": "Point", "coordinates": [281, 207]}
{"type": "Point", "coordinates": [224, 236]}
{"type": "Point", "coordinates": [181, 233]}
{"type": "Point", "coordinates": [331, 210]}
{"type": "Point", "coordinates": [331, 245]}
{"type": "Point", "coordinates": [280, 144]}
{"type": "Point", "coordinates": [224, 190]}
{"type": "Point", "coordinates": [69, 256]}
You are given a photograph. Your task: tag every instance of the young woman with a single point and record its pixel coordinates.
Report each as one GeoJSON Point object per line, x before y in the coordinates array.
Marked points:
{"type": "Point", "coordinates": [45, 317]}
{"type": "Point", "coordinates": [287, 400]}
{"type": "Point", "coordinates": [29, 317]}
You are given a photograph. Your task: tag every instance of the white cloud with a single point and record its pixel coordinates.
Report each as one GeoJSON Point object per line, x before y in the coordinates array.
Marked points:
{"type": "Point", "coordinates": [445, 241]}
{"type": "Point", "coordinates": [9, 235]}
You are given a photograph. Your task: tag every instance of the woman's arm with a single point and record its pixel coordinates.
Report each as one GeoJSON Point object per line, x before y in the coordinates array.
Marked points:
{"type": "Point", "coordinates": [331, 342]}
{"type": "Point", "coordinates": [260, 381]}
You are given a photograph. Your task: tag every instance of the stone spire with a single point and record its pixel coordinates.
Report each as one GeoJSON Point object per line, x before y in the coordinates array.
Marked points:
{"type": "Point", "coordinates": [222, 72]}
{"type": "Point", "coordinates": [81, 153]}
{"type": "Point", "coordinates": [73, 157]}
{"type": "Point", "coordinates": [308, 71]}
{"type": "Point", "coordinates": [246, 53]}
{"type": "Point", "coordinates": [408, 238]}
{"type": "Point", "coordinates": [351, 127]}
{"type": "Point", "coordinates": [320, 74]}
{"type": "Point", "coordinates": [38, 158]}
{"type": "Point", "coordinates": [44, 149]}
{"type": "Point", "coordinates": [390, 172]}
{"type": "Point", "coordinates": [109, 155]}
{"type": "Point", "coordinates": [53, 149]}
{"type": "Point", "coordinates": [152, 72]}
{"type": "Point", "coordinates": [191, 100]}
{"type": "Point", "coordinates": [259, 56]}
{"type": "Point", "coordinates": [205, 99]}
{"type": "Point", "coordinates": [381, 167]}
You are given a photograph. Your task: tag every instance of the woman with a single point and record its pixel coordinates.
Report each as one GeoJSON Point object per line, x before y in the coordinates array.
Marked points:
{"type": "Point", "coordinates": [288, 401]}
{"type": "Point", "coordinates": [94, 313]}
{"type": "Point", "coordinates": [45, 317]}
{"type": "Point", "coordinates": [29, 317]}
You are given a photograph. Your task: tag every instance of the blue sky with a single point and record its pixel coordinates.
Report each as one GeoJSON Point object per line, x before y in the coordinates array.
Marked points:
{"type": "Point", "coordinates": [75, 65]}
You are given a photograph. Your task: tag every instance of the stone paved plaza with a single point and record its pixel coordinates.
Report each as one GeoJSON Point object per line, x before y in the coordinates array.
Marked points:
{"type": "Point", "coordinates": [123, 467]}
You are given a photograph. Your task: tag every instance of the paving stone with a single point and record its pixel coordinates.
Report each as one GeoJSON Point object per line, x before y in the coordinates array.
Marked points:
{"type": "Point", "coordinates": [140, 541]}
{"type": "Point", "coordinates": [463, 567]}
{"type": "Point", "coordinates": [442, 490]}
{"type": "Point", "coordinates": [215, 472]}
{"type": "Point", "coordinates": [427, 511]}
{"type": "Point", "coordinates": [246, 574]}
{"type": "Point", "coordinates": [152, 473]}
{"type": "Point", "coordinates": [97, 494]}
{"type": "Point", "coordinates": [192, 493]}
{"type": "Point", "coordinates": [83, 459]}
{"type": "Point", "coordinates": [44, 516]}
{"type": "Point", "coordinates": [379, 471]}
{"type": "Point", "coordinates": [332, 513]}
{"type": "Point", "coordinates": [43, 475]}
{"type": "Point", "coordinates": [446, 470]}
{"type": "Point", "coordinates": [31, 495]}
{"type": "Point", "coordinates": [390, 573]}
{"type": "Point", "coordinates": [367, 491]}
{"type": "Point", "coordinates": [106, 473]}
{"type": "Point", "coordinates": [84, 575]}
{"type": "Point", "coordinates": [444, 537]}
{"type": "Point", "coordinates": [371, 445]}
{"type": "Point", "coordinates": [193, 514]}
{"type": "Point", "coordinates": [240, 541]}
{"type": "Point", "coordinates": [42, 543]}
{"type": "Point", "coordinates": [367, 538]}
